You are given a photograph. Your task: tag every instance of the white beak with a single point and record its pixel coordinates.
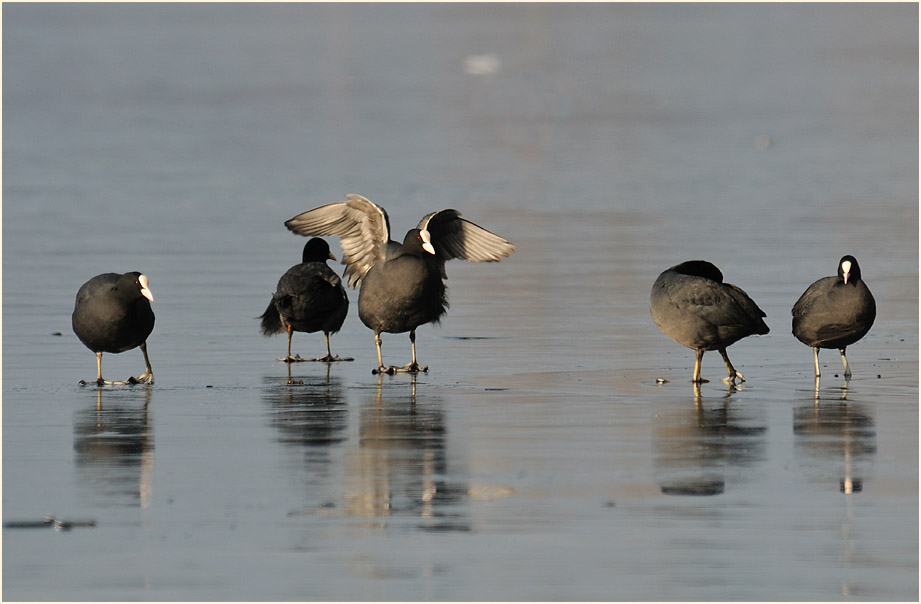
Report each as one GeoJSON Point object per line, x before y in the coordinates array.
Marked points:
{"type": "Point", "coordinates": [145, 291]}
{"type": "Point", "coordinates": [427, 242]}
{"type": "Point", "coordinates": [846, 270]}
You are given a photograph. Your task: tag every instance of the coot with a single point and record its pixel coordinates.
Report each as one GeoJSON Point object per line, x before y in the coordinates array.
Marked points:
{"type": "Point", "coordinates": [402, 285]}
{"type": "Point", "coordinates": [835, 312]}
{"type": "Point", "coordinates": [308, 298]}
{"type": "Point", "coordinates": [691, 305]}
{"type": "Point", "coordinates": [112, 314]}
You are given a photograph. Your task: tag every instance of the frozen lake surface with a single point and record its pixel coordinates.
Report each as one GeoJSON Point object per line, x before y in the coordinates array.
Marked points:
{"type": "Point", "coordinates": [539, 459]}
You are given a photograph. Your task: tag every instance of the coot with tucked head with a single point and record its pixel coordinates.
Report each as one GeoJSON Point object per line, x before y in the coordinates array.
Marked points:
{"type": "Point", "coordinates": [835, 312]}
{"type": "Point", "coordinates": [402, 284]}
{"type": "Point", "coordinates": [691, 305]}
{"type": "Point", "coordinates": [308, 298]}
{"type": "Point", "coordinates": [112, 314]}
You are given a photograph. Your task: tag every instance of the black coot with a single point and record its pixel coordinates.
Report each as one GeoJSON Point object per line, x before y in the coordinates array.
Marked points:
{"type": "Point", "coordinates": [691, 305]}
{"type": "Point", "coordinates": [402, 285]}
{"type": "Point", "coordinates": [835, 312]}
{"type": "Point", "coordinates": [308, 298]}
{"type": "Point", "coordinates": [112, 314]}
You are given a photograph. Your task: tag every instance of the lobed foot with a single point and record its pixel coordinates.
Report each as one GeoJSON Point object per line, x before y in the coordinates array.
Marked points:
{"type": "Point", "coordinates": [393, 370]}
{"type": "Point", "coordinates": [732, 379]}
{"type": "Point", "coordinates": [145, 378]}
{"type": "Point", "coordinates": [129, 381]}
{"type": "Point", "coordinates": [333, 359]}
{"type": "Point", "coordinates": [324, 359]}
{"type": "Point", "coordinates": [294, 359]}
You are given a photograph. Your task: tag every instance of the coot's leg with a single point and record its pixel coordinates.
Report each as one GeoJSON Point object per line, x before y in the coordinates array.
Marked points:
{"type": "Point", "coordinates": [329, 358]}
{"type": "Point", "coordinates": [697, 379]}
{"type": "Point", "coordinates": [733, 374]}
{"type": "Point", "coordinates": [413, 367]}
{"type": "Point", "coordinates": [380, 361]}
{"type": "Point", "coordinates": [101, 382]}
{"type": "Point", "coordinates": [148, 375]}
{"type": "Point", "coordinates": [289, 358]}
{"type": "Point", "coordinates": [815, 358]}
{"type": "Point", "coordinates": [847, 368]}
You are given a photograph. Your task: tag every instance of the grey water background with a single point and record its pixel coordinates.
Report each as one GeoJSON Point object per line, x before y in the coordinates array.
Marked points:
{"type": "Point", "coordinates": [539, 458]}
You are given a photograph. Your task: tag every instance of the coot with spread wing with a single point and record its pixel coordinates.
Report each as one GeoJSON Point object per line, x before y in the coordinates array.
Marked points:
{"type": "Point", "coordinates": [402, 284]}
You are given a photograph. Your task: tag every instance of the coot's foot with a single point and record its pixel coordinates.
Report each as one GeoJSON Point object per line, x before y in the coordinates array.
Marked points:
{"type": "Point", "coordinates": [144, 379]}
{"type": "Point", "coordinates": [333, 358]}
{"type": "Point", "coordinates": [732, 380]}
{"type": "Point", "coordinates": [324, 359]}
{"type": "Point", "coordinates": [393, 370]}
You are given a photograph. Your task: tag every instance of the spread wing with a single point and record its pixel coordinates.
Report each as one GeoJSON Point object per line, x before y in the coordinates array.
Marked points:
{"type": "Point", "coordinates": [456, 237]}
{"type": "Point", "coordinates": [363, 228]}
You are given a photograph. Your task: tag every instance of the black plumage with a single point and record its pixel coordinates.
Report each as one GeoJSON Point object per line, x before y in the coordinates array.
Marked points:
{"type": "Point", "coordinates": [402, 285]}
{"type": "Point", "coordinates": [309, 297]}
{"type": "Point", "coordinates": [835, 312]}
{"type": "Point", "coordinates": [112, 313]}
{"type": "Point", "coordinates": [691, 305]}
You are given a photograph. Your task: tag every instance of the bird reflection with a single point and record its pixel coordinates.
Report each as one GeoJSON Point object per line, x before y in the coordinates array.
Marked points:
{"type": "Point", "coordinates": [837, 394]}
{"type": "Point", "coordinates": [696, 447]}
{"type": "Point", "coordinates": [400, 466]}
{"type": "Point", "coordinates": [840, 433]}
{"type": "Point", "coordinates": [113, 445]}
{"type": "Point", "coordinates": [310, 414]}
{"type": "Point", "coordinates": [836, 439]}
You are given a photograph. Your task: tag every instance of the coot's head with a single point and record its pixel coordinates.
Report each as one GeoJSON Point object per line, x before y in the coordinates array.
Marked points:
{"type": "Point", "coordinates": [699, 268]}
{"type": "Point", "coordinates": [134, 284]}
{"type": "Point", "coordinates": [418, 241]}
{"type": "Point", "coordinates": [317, 250]}
{"type": "Point", "coordinates": [848, 269]}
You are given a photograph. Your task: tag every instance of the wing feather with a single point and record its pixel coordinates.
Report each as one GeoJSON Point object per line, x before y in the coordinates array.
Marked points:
{"type": "Point", "coordinates": [456, 237]}
{"type": "Point", "coordinates": [363, 228]}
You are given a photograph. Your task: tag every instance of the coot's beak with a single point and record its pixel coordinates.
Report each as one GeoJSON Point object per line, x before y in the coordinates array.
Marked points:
{"type": "Point", "coordinates": [846, 270]}
{"type": "Point", "coordinates": [427, 242]}
{"type": "Point", "coordinates": [145, 291]}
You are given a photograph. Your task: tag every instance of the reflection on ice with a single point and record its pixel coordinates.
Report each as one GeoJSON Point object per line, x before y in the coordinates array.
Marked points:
{"type": "Point", "coordinates": [836, 442]}
{"type": "Point", "coordinates": [396, 467]}
{"type": "Point", "coordinates": [312, 415]}
{"type": "Point", "coordinates": [400, 463]}
{"type": "Point", "coordinates": [113, 445]}
{"type": "Point", "coordinates": [698, 445]}
{"type": "Point", "coordinates": [840, 435]}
